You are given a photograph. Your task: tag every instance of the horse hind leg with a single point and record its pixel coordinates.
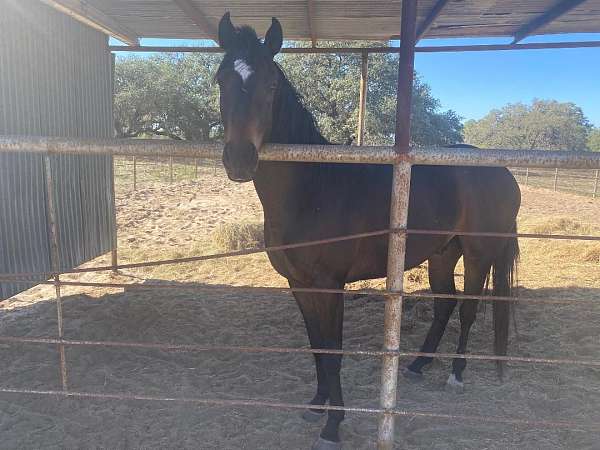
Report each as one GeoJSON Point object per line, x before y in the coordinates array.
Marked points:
{"type": "Point", "coordinates": [441, 279]}
{"type": "Point", "coordinates": [476, 272]}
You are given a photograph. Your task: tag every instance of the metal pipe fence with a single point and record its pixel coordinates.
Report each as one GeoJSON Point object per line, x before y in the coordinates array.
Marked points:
{"type": "Point", "coordinates": [580, 182]}
{"type": "Point", "coordinates": [394, 293]}
{"type": "Point", "coordinates": [132, 173]}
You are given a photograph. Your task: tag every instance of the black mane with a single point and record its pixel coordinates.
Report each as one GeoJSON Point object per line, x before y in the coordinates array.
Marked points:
{"type": "Point", "coordinates": [292, 122]}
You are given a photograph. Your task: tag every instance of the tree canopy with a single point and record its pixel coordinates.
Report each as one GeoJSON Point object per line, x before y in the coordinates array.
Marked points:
{"type": "Point", "coordinates": [175, 95]}
{"type": "Point", "coordinates": [544, 124]}
{"type": "Point", "coordinates": [594, 140]}
{"type": "Point", "coordinates": [170, 95]}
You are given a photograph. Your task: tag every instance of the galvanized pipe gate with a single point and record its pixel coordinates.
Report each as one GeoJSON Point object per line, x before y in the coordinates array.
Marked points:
{"type": "Point", "coordinates": [400, 155]}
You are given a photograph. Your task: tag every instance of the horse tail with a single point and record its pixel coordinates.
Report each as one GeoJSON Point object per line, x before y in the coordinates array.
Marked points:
{"type": "Point", "coordinates": [504, 275]}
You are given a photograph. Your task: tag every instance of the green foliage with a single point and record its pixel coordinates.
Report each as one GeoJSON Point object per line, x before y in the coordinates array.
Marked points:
{"type": "Point", "coordinates": [169, 95]}
{"type": "Point", "coordinates": [175, 96]}
{"type": "Point", "coordinates": [594, 140]}
{"type": "Point", "coordinates": [545, 124]}
{"type": "Point", "coordinates": [330, 86]}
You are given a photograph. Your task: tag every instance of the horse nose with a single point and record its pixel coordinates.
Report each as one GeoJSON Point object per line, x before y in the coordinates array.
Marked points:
{"type": "Point", "coordinates": [240, 160]}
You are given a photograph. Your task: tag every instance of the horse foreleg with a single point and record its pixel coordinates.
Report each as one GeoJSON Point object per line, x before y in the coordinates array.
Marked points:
{"type": "Point", "coordinates": [323, 315]}
{"type": "Point", "coordinates": [476, 271]}
{"type": "Point", "coordinates": [441, 279]}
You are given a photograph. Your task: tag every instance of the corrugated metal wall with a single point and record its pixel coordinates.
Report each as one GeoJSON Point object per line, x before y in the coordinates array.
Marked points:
{"type": "Point", "coordinates": [55, 80]}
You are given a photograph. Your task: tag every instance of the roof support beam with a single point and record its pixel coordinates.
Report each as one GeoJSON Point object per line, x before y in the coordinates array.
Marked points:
{"type": "Point", "coordinates": [360, 50]}
{"type": "Point", "coordinates": [430, 19]}
{"type": "Point", "coordinates": [199, 18]}
{"type": "Point", "coordinates": [552, 14]}
{"type": "Point", "coordinates": [310, 14]}
{"type": "Point", "coordinates": [94, 18]}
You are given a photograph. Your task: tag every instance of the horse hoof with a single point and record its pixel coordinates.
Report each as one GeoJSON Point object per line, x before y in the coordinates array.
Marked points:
{"type": "Point", "coordinates": [324, 444]}
{"type": "Point", "coordinates": [313, 416]}
{"type": "Point", "coordinates": [412, 375]}
{"type": "Point", "coordinates": [453, 385]}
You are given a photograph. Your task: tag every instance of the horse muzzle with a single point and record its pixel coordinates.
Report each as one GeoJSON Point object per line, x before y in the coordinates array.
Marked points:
{"type": "Point", "coordinates": [240, 161]}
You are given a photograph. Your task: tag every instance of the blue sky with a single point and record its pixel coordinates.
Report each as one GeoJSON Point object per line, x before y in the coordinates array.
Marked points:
{"type": "Point", "coordinates": [472, 83]}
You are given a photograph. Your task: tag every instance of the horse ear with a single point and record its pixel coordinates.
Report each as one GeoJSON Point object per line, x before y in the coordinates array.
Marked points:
{"type": "Point", "coordinates": [274, 37]}
{"type": "Point", "coordinates": [226, 32]}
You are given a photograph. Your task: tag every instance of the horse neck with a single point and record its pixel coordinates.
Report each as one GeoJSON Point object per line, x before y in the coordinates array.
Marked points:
{"type": "Point", "coordinates": [277, 182]}
{"type": "Point", "coordinates": [292, 123]}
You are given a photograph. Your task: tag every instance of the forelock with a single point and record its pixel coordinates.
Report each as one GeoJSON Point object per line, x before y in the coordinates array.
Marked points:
{"type": "Point", "coordinates": [247, 50]}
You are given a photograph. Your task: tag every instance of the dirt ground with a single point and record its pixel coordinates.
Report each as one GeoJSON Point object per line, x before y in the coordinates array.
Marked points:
{"type": "Point", "coordinates": [173, 220]}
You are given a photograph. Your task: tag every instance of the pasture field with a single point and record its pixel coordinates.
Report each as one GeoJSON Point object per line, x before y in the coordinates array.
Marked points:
{"type": "Point", "coordinates": [195, 216]}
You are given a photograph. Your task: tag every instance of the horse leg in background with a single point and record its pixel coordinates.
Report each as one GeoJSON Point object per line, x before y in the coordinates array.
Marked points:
{"type": "Point", "coordinates": [323, 315]}
{"type": "Point", "coordinates": [314, 337]}
{"type": "Point", "coordinates": [441, 279]}
{"type": "Point", "coordinates": [476, 272]}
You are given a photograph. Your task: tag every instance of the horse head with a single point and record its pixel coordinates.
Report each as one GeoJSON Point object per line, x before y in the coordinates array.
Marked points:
{"type": "Point", "coordinates": [248, 79]}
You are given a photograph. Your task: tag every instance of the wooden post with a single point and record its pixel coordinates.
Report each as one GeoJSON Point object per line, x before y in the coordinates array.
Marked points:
{"type": "Point", "coordinates": [362, 105]}
{"type": "Point", "coordinates": [555, 178]}
{"type": "Point", "coordinates": [134, 173]}
{"type": "Point", "coordinates": [114, 251]}
{"type": "Point", "coordinates": [170, 169]}
{"type": "Point", "coordinates": [595, 193]}
{"type": "Point", "coordinates": [398, 221]}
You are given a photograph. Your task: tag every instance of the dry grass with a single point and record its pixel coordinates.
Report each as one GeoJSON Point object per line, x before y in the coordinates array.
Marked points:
{"type": "Point", "coordinates": [592, 254]}
{"type": "Point", "coordinates": [238, 236]}
{"type": "Point", "coordinates": [562, 225]}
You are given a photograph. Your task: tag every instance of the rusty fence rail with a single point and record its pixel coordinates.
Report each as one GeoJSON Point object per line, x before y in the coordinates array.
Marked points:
{"type": "Point", "coordinates": [394, 293]}
{"type": "Point", "coordinates": [262, 249]}
{"type": "Point", "coordinates": [299, 406]}
{"type": "Point", "coordinates": [385, 154]}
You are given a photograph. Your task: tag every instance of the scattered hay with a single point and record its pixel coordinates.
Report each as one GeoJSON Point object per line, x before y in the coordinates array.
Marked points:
{"type": "Point", "coordinates": [418, 275]}
{"type": "Point", "coordinates": [562, 225]}
{"type": "Point", "coordinates": [237, 236]}
{"type": "Point", "coordinates": [592, 254]}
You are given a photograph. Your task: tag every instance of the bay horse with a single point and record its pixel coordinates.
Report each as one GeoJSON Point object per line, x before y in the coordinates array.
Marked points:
{"type": "Point", "coordinates": [312, 201]}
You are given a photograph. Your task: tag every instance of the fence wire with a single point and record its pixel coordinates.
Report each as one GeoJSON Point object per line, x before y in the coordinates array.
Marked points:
{"type": "Point", "coordinates": [300, 406]}
{"type": "Point", "coordinates": [276, 248]}
{"type": "Point", "coordinates": [62, 343]}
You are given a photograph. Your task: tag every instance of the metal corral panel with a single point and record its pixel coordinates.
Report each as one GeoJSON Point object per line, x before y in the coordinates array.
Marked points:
{"type": "Point", "coordinates": [55, 80]}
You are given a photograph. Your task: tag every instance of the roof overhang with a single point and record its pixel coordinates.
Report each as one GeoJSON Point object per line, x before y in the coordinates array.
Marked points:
{"type": "Point", "coordinates": [313, 20]}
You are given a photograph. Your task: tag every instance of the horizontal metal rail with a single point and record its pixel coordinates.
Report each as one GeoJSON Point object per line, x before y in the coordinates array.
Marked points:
{"type": "Point", "coordinates": [279, 290]}
{"type": "Point", "coordinates": [360, 50]}
{"type": "Point", "coordinates": [324, 351]}
{"type": "Point", "coordinates": [299, 406]}
{"type": "Point", "coordinates": [276, 248]}
{"type": "Point", "coordinates": [461, 156]}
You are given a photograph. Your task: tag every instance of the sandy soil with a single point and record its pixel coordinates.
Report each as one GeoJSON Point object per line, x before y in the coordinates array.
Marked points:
{"type": "Point", "coordinates": [165, 221]}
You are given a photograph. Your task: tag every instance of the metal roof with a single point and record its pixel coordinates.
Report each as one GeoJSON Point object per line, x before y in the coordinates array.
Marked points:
{"type": "Point", "coordinates": [335, 19]}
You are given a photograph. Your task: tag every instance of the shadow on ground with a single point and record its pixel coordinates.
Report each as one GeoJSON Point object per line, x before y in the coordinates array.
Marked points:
{"type": "Point", "coordinates": [220, 315]}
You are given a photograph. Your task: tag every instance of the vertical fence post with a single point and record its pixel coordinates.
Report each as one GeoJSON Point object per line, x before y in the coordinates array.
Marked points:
{"type": "Point", "coordinates": [55, 260]}
{"type": "Point", "coordinates": [555, 178]}
{"type": "Point", "coordinates": [362, 106]}
{"type": "Point", "coordinates": [595, 193]}
{"type": "Point", "coordinates": [398, 220]}
{"type": "Point", "coordinates": [134, 173]}
{"type": "Point", "coordinates": [526, 176]}
{"type": "Point", "coordinates": [170, 169]}
{"type": "Point", "coordinates": [114, 257]}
